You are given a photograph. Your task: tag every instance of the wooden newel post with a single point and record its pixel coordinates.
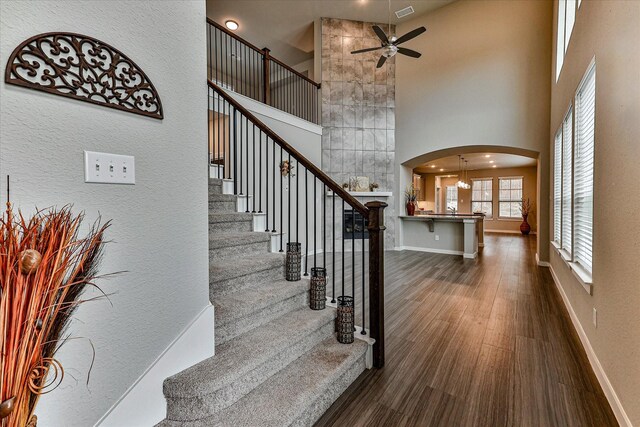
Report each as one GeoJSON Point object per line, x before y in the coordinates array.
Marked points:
{"type": "Point", "coordinates": [266, 77]}
{"type": "Point", "coordinates": [376, 279]}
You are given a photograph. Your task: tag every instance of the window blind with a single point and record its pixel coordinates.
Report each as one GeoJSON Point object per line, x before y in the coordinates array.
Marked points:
{"type": "Point", "coordinates": [567, 157]}
{"type": "Point", "coordinates": [482, 196]}
{"type": "Point", "coordinates": [452, 197]}
{"type": "Point", "coordinates": [557, 188]}
{"type": "Point", "coordinates": [583, 170]}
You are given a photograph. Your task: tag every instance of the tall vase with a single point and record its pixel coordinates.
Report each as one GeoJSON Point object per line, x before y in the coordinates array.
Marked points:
{"type": "Point", "coordinates": [411, 208]}
{"type": "Point", "coordinates": [525, 228]}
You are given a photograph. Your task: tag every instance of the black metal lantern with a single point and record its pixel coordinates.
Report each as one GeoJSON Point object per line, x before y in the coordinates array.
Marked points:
{"type": "Point", "coordinates": [318, 288]}
{"type": "Point", "coordinates": [345, 320]}
{"type": "Point", "coordinates": [293, 261]}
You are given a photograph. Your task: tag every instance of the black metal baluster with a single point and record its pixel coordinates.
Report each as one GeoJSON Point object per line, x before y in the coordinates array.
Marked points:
{"type": "Point", "coordinates": [246, 160]}
{"type": "Point", "coordinates": [235, 154]}
{"type": "Point", "coordinates": [353, 256]}
{"type": "Point", "coordinates": [289, 199]}
{"type": "Point", "coordinates": [306, 221]}
{"type": "Point", "coordinates": [315, 233]}
{"type": "Point", "coordinates": [273, 229]}
{"type": "Point", "coordinates": [343, 232]}
{"type": "Point", "coordinates": [324, 228]}
{"type": "Point", "coordinates": [240, 161]}
{"type": "Point", "coordinates": [266, 183]}
{"type": "Point", "coordinates": [260, 172]}
{"type": "Point", "coordinates": [254, 169]}
{"type": "Point", "coordinates": [297, 202]}
{"type": "Point", "coordinates": [281, 204]}
{"type": "Point", "coordinates": [363, 332]}
{"type": "Point", "coordinates": [333, 247]}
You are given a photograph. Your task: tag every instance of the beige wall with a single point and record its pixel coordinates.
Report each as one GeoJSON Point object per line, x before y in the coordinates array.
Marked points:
{"type": "Point", "coordinates": [610, 31]}
{"type": "Point", "coordinates": [482, 80]}
{"type": "Point", "coordinates": [529, 175]}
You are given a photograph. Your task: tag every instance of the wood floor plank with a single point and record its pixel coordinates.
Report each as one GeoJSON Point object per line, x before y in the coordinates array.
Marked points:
{"type": "Point", "coordinates": [483, 342]}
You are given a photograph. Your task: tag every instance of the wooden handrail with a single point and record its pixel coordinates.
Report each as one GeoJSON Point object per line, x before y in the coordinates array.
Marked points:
{"type": "Point", "coordinates": [262, 51]}
{"type": "Point", "coordinates": [324, 178]}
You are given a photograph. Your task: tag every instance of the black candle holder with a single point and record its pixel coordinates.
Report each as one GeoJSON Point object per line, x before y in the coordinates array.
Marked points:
{"type": "Point", "coordinates": [293, 261]}
{"type": "Point", "coordinates": [345, 320]}
{"type": "Point", "coordinates": [318, 288]}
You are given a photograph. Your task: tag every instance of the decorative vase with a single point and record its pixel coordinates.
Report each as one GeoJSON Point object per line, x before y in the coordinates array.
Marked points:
{"type": "Point", "coordinates": [345, 320]}
{"type": "Point", "coordinates": [318, 288]}
{"type": "Point", "coordinates": [292, 261]}
{"type": "Point", "coordinates": [525, 228]}
{"type": "Point", "coordinates": [411, 208]}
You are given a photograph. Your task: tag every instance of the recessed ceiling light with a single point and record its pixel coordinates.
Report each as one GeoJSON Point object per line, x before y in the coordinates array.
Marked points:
{"type": "Point", "coordinates": [231, 24]}
{"type": "Point", "coordinates": [487, 155]}
{"type": "Point", "coordinates": [491, 161]}
{"type": "Point", "coordinates": [441, 170]}
{"type": "Point", "coordinates": [495, 166]}
{"type": "Point", "coordinates": [433, 166]}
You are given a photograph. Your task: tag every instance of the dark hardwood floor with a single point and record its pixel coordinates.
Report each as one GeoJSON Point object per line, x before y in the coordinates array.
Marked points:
{"type": "Point", "coordinates": [483, 342]}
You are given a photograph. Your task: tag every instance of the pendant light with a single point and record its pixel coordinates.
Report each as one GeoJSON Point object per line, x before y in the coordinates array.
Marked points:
{"type": "Point", "coordinates": [460, 174]}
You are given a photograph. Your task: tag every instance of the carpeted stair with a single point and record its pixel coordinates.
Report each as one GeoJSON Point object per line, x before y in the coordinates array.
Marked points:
{"type": "Point", "coordinates": [277, 362]}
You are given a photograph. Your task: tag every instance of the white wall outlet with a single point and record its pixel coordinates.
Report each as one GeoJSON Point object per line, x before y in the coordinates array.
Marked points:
{"type": "Point", "coordinates": [595, 317]}
{"type": "Point", "coordinates": [109, 168]}
{"type": "Point", "coordinates": [437, 237]}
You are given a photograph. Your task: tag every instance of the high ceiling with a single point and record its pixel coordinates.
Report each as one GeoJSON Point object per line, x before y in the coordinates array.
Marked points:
{"type": "Point", "coordinates": [477, 161]}
{"type": "Point", "coordinates": [286, 26]}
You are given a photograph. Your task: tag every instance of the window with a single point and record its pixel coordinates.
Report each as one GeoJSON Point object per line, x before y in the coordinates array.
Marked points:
{"type": "Point", "coordinates": [583, 173]}
{"type": "Point", "coordinates": [567, 172]}
{"type": "Point", "coordinates": [482, 196]}
{"type": "Point", "coordinates": [452, 198]}
{"type": "Point", "coordinates": [566, 20]}
{"type": "Point", "coordinates": [510, 197]}
{"type": "Point", "coordinates": [557, 188]}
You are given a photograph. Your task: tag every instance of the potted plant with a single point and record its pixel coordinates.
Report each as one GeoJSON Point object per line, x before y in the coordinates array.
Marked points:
{"type": "Point", "coordinates": [411, 197]}
{"type": "Point", "coordinates": [525, 208]}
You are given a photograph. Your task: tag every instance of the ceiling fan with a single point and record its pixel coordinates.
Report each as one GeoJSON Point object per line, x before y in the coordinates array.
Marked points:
{"type": "Point", "coordinates": [390, 46]}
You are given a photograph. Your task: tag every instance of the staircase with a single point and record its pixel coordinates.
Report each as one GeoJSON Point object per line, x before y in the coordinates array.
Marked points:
{"type": "Point", "coordinates": [277, 362]}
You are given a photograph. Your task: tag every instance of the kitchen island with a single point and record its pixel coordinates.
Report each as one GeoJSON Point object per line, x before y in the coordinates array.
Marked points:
{"type": "Point", "coordinates": [455, 234]}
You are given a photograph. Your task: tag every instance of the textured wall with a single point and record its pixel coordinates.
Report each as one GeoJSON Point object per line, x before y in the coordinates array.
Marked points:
{"type": "Point", "coordinates": [482, 80]}
{"type": "Point", "coordinates": [159, 227]}
{"type": "Point", "coordinates": [358, 109]}
{"type": "Point", "coordinates": [609, 31]}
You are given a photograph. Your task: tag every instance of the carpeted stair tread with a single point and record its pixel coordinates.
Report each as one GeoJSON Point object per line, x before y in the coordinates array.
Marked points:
{"type": "Point", "coordinates": [221, 198]}
{"type": "Point", "coordinates": [297, 395]}
{"type": "Point", "coordinates": [241, 355]}
{"type": "Point", "coordinates": [252, 299]}
{"type": "Point", "coordinates": [239, 238]}
{"type": "Point", "coordinates": [217, 217]}
{"type": "Point", "coordinates": [225, 269]}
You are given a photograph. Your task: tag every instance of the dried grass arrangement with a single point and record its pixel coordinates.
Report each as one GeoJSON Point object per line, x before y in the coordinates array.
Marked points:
{"type": "Point", "coordinates": [44, 268]}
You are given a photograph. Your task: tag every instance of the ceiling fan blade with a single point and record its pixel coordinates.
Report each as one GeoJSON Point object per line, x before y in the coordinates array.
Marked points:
{"type": "Point", "coordinates": [381, 61]}
{"type": "Point", "coordinates": [410, 35]}
{"type": "Point", "coordinates": [409, 52]}
{"type": "Point", "coordinates": [366, 50]}
{"type": "Point", "coordinates": [381, 35]}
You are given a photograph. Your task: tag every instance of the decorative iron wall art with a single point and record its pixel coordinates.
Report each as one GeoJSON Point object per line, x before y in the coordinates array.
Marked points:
{"type": "Point", "coordinates": [84, 68]}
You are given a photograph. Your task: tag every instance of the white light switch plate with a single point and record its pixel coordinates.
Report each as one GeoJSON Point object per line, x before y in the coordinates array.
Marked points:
{"type": "Point", "coordinates": [109, 168]}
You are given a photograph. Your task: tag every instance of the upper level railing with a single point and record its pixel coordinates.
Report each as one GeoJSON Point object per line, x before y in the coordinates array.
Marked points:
{"type": "Point", "coordinates": [301, 204]}
{"type": "Point", "coordinates": [237, 65]}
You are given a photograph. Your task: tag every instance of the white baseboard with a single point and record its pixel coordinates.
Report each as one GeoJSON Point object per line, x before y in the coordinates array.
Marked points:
{"type": "Point", "coordinates": [612, 397]}
{"type": "Point", "coordinates": [144, 404]}
{"type": "Point", "coordinates": [542, 263]}
{"type": "Point", "coordinates": [430, 250]}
